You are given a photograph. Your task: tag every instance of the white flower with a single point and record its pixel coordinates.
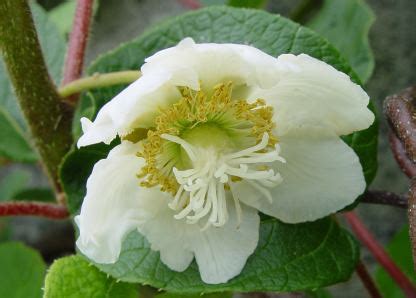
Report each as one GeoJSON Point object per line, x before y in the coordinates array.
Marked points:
{"type": "Point", "coordinates": [210, 135]}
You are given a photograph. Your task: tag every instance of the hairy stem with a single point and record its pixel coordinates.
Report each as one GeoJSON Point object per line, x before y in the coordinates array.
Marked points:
{"type": "Point", "coordinates": [367, 280]}
{"type": "Point", "coordinates": [380, 254]}
{"type": "Point", "coordinates": [48, 210]}
{"type": "Point", "coordinates": [384, 198]}
{"type": "Point", "coordinates": [400, 110]}
{"type": "Point", "coordinates": [406, 165]}
{"type": "Point", "coordinates": [48, 117]}
{"type": "Point", "coordinates": [77, 43]}
{"type": "Point", "coordinates": [99, 81]}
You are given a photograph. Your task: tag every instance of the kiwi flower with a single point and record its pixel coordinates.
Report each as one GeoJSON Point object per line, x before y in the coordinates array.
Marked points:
{"type": "Point", "coordinates": [210, 135]}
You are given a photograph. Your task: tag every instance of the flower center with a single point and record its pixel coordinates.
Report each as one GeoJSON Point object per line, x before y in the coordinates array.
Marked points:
{"type": "Point", "coordinates": [202, 145]}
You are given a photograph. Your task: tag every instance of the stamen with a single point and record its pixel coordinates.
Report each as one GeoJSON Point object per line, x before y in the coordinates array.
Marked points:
{"type": "Point", "coordinates": [200, 183]}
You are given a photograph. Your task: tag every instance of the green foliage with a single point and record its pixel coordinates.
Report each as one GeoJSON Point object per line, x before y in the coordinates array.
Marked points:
{"type": "Point", "coordinates": [63, 16]}
{"type": "Point", "coordinates": [346, 24]}
{"type": "Point", "coordinates": [14, 144]}
{"type": "Point", "coordinates": [400, 251]}
{"type": "Point", "coordinates": [74, 277]}
{"type": "Point", "coordinates": [21, 272]}
{"type": "Point", "coordinates": [288, 258]}
{"type": "Point", "coordinates": [13, 183]}
{"type": "Point", "coordinates": [216, 295]}
{"type": "Point", "coordinates": [248, 3]}
{"type": "Point", "coordinates": [14, 139]}
{"type": "Point", "coordinates": [75, 169]}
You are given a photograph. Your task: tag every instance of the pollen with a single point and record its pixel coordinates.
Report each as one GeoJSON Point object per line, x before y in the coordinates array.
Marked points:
{"type": "Point", "coordinates": [242, 123]}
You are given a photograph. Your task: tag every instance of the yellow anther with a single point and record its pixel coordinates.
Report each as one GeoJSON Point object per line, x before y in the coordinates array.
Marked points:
{"type": "Point", "coordinates": [236, 117]}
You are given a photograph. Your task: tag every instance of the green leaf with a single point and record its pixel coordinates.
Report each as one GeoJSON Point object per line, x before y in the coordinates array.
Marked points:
{"type": "Point", "coordinates": [346, 24]}
{"type": "Point", "coordinates": [51, 40]}
{"type": "Point", "coordinates": [73, 277]}
{"type": "Point", "coordinates": [248, 3]}
{"type": "Point", "coordinates": [21, 272]}
{"type": "Point", "coordinates": [63, 16]}
{"type": "Point", "coordinates": [288, 258]}
{"type": "Point", "coordinates": [14, 144]}
{"type": "Point", "coordinates": [14, 182]}
{"type": "Point", "coordinates": [35, 194]}
{"type": "Point", "coordinates": [87, 107]}
{"type": "Point", "coordinates": [14, 136]}
{"type": "Point", "coordinates": [75, 170]}
{"type": "Point", "coordinates": [400, 251]}
{"type": "Point", "coordinates": [199, 295]}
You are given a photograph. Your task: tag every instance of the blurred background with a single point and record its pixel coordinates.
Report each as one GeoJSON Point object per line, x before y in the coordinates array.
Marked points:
{"type": "Point", "coordinates": [393, 43]}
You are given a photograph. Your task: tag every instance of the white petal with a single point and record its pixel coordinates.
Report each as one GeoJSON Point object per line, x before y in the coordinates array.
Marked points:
{"type": "Point", "coordinates": [313, 93]}
{"type": "Point", "coordinates": [321, 176]}
{"type": "Point", "coordinates": [187, 64]}
{"type": "Point", "coordinates": [221, 253]}
{"type": "Point", "coordinates": [134, 107]}
{"type": "Point", "coordinates": [113, 204]}
{"type": "Point", "coordinates": [213, 63]}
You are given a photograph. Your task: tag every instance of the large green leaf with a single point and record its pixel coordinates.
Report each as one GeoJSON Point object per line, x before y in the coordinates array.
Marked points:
{"type": "Point", "coordinates": [346, 24]}
{"type": "Point", "coordinates": [289, 257]}
{"type": "Point", "coordinates": [14, 140]}
{"type": "Point", "coordinates": [74, 277]}
{"type": "Point", "coordinates": [400, 251]}
{"type": "Point", "coordinates": [21, 271]}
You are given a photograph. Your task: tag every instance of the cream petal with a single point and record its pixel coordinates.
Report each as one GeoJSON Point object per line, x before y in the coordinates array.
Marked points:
{"type": "Point", "coordinates": [321, 176]}
{"type": "Point", "coordinates": [187, 64]}
{"type": "Point", "coordinates": [220, 253]}
{"type": "Point", "coordinates": [215, 63]}
{"type": "Point", "coordinates": [313, 93]}
{"type": "Point", "coordinates": [113, 205]}
{"type": "Point", "coordinates": [134, 107]}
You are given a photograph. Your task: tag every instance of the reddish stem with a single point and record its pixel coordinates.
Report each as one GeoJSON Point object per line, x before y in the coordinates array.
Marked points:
{"type": "Point", "coordinates": [191, 4]}
{"type": "Point", "coordinates": [77, 43]}
{"type": "Point", "coordinates": [384, 198]}
{"type": "Point", "coordinates": [380, 254]}
{"type": "Point", "coordinates": [399, 152]}
{"type": "Point", "coordinates": [367, 280]}
{"type": "Point", "coordinates": [49, 210]}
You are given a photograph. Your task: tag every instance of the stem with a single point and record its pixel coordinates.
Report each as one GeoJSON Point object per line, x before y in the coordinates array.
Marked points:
{"type": "Point", "coordinates": [98, 81]}
{"type": "Point", "coordinates": [77, 43]}
{"type": "Point", "coordinates": [400, 110]}
{"type": "Point", "coordinates": [405, 164]}
{"type": "Point", "coordinates": [384, 198]}
{"type": "Point", "coordinates": [367, 280]}
{"type": "Point", "coordinates": [411, 212]}
{"type": "Point", "coordinates": [48, 210]}
{"type": "Point", "coordinates": [380, 254]}
{"type": "Point", "coordinates": [48, 117]}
